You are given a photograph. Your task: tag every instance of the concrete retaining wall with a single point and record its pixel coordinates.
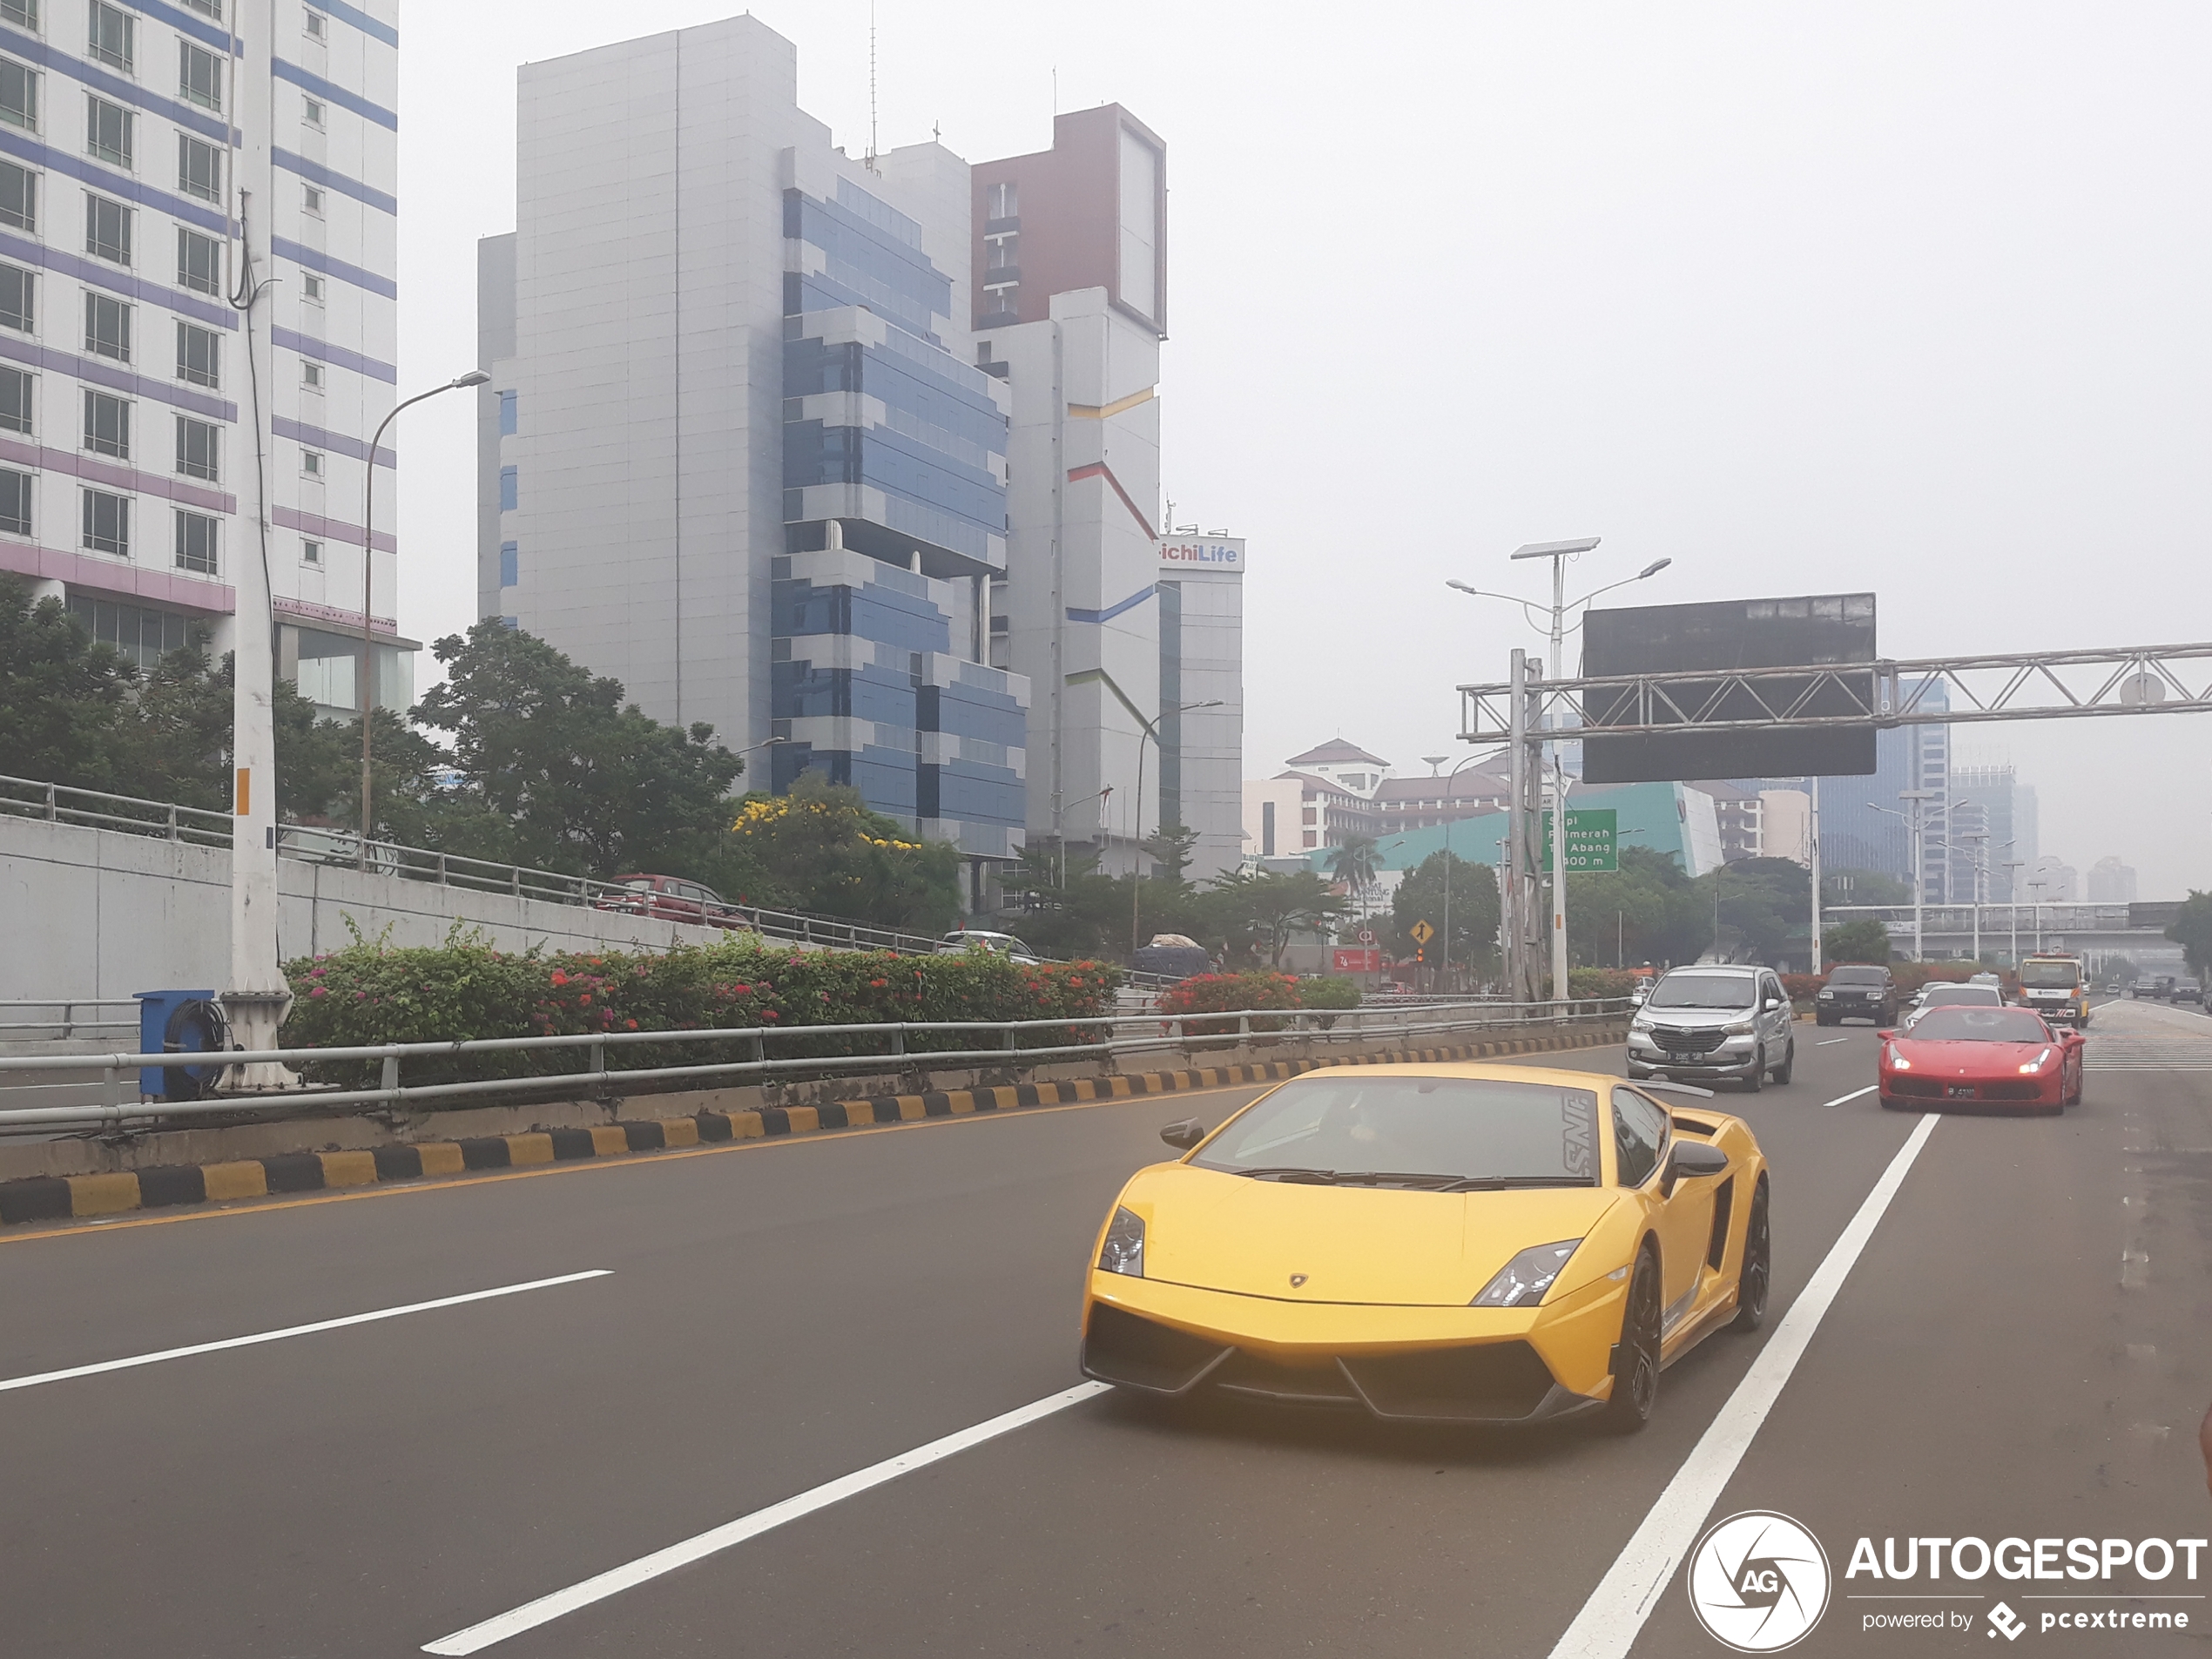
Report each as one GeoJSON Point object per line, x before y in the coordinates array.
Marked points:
{"type": "Point", "coordinates": [95, 913]}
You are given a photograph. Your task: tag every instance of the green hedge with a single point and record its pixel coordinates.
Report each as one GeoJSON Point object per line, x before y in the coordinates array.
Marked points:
{"type": "Point", "coordinates": [368, 994]}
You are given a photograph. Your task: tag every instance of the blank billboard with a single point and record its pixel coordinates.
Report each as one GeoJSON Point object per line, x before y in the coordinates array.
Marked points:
{"type": "Point", "coordinates": [1823, 629]}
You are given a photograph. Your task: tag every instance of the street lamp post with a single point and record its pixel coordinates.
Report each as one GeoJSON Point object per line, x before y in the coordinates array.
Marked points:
{"type": "Point", "coordinates": [1147, 730]}
{"type": "Point", "coordinates": [2013, 903]}
{"type": "Point", "coordinates": [368, 689]}
{"type": "Point", "coordinates": [1059, 837]}
{"type": "Point", "coordinates": [1559, 553]}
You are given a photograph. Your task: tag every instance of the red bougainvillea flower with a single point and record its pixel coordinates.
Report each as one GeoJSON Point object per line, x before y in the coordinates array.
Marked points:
{"type": "Point", "coordinates": [878, 984]}
{"type": "Point", "coordinates": [319, 990]}
{"type": "Point", "coordinates": [559, 977]}
{"type": "Point", "coordinates": [769, 1014]}
{"type": "Point", "coordinates": [585, 999]}
{"type": "Point", "coordinates": [632, 1024]}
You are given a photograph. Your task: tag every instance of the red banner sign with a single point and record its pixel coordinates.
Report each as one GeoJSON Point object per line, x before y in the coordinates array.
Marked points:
{"type": "Point", "coordinates": [1344, 959]}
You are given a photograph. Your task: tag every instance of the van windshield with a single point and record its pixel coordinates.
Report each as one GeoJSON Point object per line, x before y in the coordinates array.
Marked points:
{"type": "Point", "coordinates": [2051, 976]}
{"type": "Point", "coordinates": [1705, 991]}
{"type": "Point", "coordinates": [1858, 976]}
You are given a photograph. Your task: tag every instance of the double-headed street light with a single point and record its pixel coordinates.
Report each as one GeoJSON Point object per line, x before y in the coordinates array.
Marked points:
{"type": "Point", "coordinates": [474, 377]}
{"type": "Point", "coordinates": [1558, 553]}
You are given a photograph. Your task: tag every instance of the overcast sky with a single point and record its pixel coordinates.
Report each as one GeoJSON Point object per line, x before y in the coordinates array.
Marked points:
{"type": "Point", "coordinates": [1914, 298]}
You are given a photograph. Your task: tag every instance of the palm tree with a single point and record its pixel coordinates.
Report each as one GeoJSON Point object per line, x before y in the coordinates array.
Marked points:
{"type": "Point", "coordinates": [1353, 862]}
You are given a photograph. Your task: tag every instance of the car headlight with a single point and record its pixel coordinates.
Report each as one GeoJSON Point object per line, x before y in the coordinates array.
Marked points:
{"type": "Point", "coordinates": [1739, 1028]}
{"type": "Point", "coordinates": [1522, 1281]}
{"type": "Point", "coordinates": [1827, 996]}
{"type": "Point", "coordinates": [2035, 1065]}
{"type": "Point", "coordinates": [1123, 1250]}
{"type": "Point", "coordinates": [1898, 1062]}
{"type": "Point", "coordinates": [1642, 1022]}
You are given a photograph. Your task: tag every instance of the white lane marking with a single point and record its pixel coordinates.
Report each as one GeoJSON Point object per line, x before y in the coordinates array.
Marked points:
{"type": "Point", "coordinates": [530, 1614]}
{"type": "Point", "coordinates": [1854, 1094]}
{"type": "Point", "coordinates": [34, 1380]}
{"type": "Point", "coordinates": [1607, 1625]}
{"type": "Point", "coordinates": [1830, 1042]}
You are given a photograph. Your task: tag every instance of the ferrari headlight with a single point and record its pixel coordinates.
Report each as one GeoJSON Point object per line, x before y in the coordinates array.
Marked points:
{"type": "Point", "coordinates": [2035, 1065]}
{"type": "Point", "coordinates": [1739, 1028]}
{"type": "Point", "coordinates": [1522, 1281]}
{"type": "Point", "coordinates": [1898, 1062]}
{"type": "Point", "coordinates": [1123, 1250]}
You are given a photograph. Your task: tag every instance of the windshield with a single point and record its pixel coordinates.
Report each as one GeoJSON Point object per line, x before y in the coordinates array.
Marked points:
{"type": "Point", "coordinates": [1983, 995]}
{"type": "Point", "coordinates": [1981, 1025]}
{"type": "Point", "coordinates": [1705, 991]}
{"type": "Point", "coordinates": [1429, 1130]}
{"type": "Point", "coordinates": [1858, 976]}
{"type": "Point", "coordinates": [2047, 976]}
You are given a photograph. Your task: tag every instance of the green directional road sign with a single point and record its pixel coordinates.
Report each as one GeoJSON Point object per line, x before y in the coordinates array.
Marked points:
{"type": "Point", "coordinates": [1593, 840]}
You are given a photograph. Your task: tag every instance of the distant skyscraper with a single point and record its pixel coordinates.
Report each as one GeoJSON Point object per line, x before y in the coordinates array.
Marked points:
{"type": "Point", "coordinates": [2052, 880]}
{"type": "Point", "coordinates": [2111, 882]}
{"type": "Point", "coordinates": [1865, 825]}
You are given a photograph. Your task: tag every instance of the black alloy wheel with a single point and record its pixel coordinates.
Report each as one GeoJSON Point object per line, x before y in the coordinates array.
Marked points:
{"type": "Point", "coordinates": [1757, 1279]}
{"type": "Point", "coordinates": [1823, 1019]}
{"type": "Point", "coordinates": [2076, 1068]}
{"type": "Point", "coordinates": [1635, 1360]}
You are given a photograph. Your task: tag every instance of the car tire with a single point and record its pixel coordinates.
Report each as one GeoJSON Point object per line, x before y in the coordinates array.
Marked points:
{"type": "Point", "coordinates": [1755, 1280]}
{"type": "Point", "coordinates": [1754, 1078]}
{"type": "Point", "coordinates": [2074, 1088]}
{"type": "Point", "coordinates": [1782, 1073]}
{"type": "Point", "coordinates": [1635, 1357]}
{"type": "Point", "coordinates": [1823, 1019]}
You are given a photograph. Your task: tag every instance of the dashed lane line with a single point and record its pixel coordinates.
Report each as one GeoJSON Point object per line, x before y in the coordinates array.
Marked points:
{"type": "Point", "coordinates": [1854, 1095]}
{"type": "Point", "coordinates": [546, 1609]}
{"type": "Point", "coordinates": [38, 1378]}
{"type": "Point", "coordinates": [1607, 1625]}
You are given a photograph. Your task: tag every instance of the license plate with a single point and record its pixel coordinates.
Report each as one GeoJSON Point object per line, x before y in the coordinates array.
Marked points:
{"type": "Point", "coordinates": [1960, 1091]}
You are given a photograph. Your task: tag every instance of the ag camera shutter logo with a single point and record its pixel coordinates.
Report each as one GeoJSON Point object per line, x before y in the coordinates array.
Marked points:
{"type": "Point", "coordinates": [1758, 1582]}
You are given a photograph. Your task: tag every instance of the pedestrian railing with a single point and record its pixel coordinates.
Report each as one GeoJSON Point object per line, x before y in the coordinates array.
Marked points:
{"type": "Point", "coordinates": [31, 1020]}
{"type": "Point", "coordinates": [589, 1064]}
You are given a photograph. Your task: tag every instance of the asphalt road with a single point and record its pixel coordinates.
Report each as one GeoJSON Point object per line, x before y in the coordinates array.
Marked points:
{"type": "Point", "coordinates": [2024, 1348]}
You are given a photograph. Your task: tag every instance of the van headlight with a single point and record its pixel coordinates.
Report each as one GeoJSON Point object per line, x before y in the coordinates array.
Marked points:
{"type": "Point", "coordinates": [1522, 1281]}
{"type": "Point", "coordinates": [1642, 1022]}
{"type": "Point", "coordinates": [1739, 1028]}
{"type": "Point", "coordinates": [1123, 1250]}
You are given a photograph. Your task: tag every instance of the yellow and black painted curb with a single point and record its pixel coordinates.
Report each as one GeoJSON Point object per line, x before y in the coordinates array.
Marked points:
{"type": "Point", "coordinates": [64, 1198]}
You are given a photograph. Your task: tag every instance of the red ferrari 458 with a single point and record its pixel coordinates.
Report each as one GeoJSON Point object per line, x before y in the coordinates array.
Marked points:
{"type": "Point", "coordinates": [1981, 1059]}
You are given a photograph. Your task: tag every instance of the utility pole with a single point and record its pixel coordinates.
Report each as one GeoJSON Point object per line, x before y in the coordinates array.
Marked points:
{"type": "Point", "coordinates": [1812, 848]}
{"type": "Point", "coordinates": [1516, 828]}
{"type": "Point", "coordinates": [2013, 903]}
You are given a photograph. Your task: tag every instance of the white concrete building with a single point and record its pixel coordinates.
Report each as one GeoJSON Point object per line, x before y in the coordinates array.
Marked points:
{"type": "Point", "coordinates": [132, 137]}
{"type": "Point", "coordinates": [735, 453]}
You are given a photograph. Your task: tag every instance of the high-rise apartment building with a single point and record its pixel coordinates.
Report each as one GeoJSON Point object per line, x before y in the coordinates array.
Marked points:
{"type": "Point", "coordinates": [2112, 880]}
{"type": "Point", "coordinates": [1866, 824]}
{"type": "Point", "coordinates": [2006, 810]}
{"type": "Point", "coordinates": [1117, 623]}
{"type": "Point", "coordinates": [736, 452]}
{"type": "Point", "coordinates": [139, 144]}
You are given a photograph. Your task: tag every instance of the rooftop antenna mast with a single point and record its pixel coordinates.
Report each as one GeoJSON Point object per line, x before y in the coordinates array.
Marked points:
{"type": "Point", "coordinates": [871, 85]}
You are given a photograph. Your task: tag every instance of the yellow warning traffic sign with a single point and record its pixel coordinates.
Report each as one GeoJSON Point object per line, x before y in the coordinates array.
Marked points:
{"type": "Point", "coordinates": [1421, 932]}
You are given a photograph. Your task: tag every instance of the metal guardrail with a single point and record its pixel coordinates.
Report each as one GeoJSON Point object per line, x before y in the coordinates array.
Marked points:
{"type": "Point", "coordinates": [1348, 1026]}
{"type": "Point", "coordinates": [342, 849]}
{"type": "Point", "coordinates": [71, 1022]}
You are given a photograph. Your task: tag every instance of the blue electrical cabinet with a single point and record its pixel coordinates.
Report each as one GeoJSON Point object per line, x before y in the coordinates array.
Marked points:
{"type": "Point", "coordinates": [177, 1022]}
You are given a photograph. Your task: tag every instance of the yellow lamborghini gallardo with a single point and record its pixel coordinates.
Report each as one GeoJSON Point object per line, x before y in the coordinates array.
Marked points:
{"type": "Point", "coordinates": [1462, 1244]}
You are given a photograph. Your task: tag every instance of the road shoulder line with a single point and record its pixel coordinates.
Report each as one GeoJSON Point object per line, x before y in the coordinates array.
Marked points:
{"type": "Point", "coordinates": [1607, 1625]}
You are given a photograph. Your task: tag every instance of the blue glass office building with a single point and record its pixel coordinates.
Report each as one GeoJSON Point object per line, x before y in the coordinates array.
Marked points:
{"type": "Point", "coordinates": [894, 508]}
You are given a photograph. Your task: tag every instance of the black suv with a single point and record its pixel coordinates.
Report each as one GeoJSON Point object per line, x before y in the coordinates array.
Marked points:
{"type": "Point", "coordinates": [2187, 990]}
{"type": "Point", "coordinates": [1857, 991]}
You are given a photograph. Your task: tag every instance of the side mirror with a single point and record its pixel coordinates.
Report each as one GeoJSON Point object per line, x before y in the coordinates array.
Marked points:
{"type": "Point", "coordinates": [1885, 1035]}
{"type": "Point", "coordinates": [1692, 1158]}
{"type": "Point", "coordinates": [1772, 1003]}
{"type": "Point", "coordinates": [1185, 1135]}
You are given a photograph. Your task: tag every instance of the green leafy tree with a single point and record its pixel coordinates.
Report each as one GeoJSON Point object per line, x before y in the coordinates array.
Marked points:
{"type": "Point", "coordinates": [583, 780]}
{"type": "Point", "coordinates": [1647, 910]}
{"type": "Point", "coordinates": [1865, 940]}
{"type": "Point", "coordinates": [1762, 901]}
{"type": "Point", "coordinates": [1263, 909]}
{"type": "Point", "coordinates": [834, 856]}
{"type": "Point", "coordinates": [2191, 929]}
{"type": "Point", "coordinates": [1472, 909]}
{"type": "Point", "coordinates": [65, 702]}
